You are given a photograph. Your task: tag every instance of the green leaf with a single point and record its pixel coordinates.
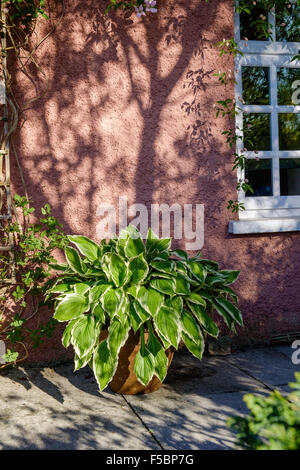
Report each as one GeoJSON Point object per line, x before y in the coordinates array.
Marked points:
{"type": "Point", "coordinates": [166, 286]}
{"type": "Point", "coordinates": [204, 319]}
{"type": "Point", "coordinates": [10, 356]}
{"type": "Point", "coordinates": [182, 286]}
{"type": "Point", "coordinates": [167, 322]}
{"type": "Point", "coordinates": [81, 288]}
{"type": "Point", "coordinates": [66, 337]}
{"type": "Point", "coordinates": [231, 309]}
{"type": "Point", "coordinates": [159, 356]}
{"type": "Point", "coordinates": [104, 365]}
{"type": "Point", "coordinates": [155, 245]}
{"type": "Point", "coordinates": [196, 299]}
{"type": "Point", "coordinates": [134, 318]}
{"type": "Point", "coordinates": [134, 247]}
{"type": "Point", "coordinates": [143, 315]}
{"type": "Point", "coordinates": [144, 366]}
{"type": "Point", "coordinates": [61, 288]}
{"type": "Point", "coordinates": [86, 246]}
{"type": "Point", "coordinates": [82, 362]}
{"type": "Point", "coordinates": [175, 303]}
{"type": "Point", "coordinates": [227, 318]}
{"type": "Point", "coordinates": [181, 254]}
{"type": "Point", "coordinates": [167, 267]}
{"type": "Point", "coordinates": [71, 307]}
{"type": "Point", "coordinates": [196, 349]}
{"type": "Point", "coordinates": [138, 268]}
{"type": "Point", "coordinates": [118, 270]}
{"type": "Point", "coordinates": [84, 335]}
{"type": "Point", "coordinates": [150, 300]}
{"type": "Point", "coordinates": [190, 326]}
{"type": "Point", "coordinates": [229, 276]}
{"type": "Point", "coordinates": [111, 301]}
{"type": "Point", "coordinates": [74, 260]}
{"type": "Point", "coordinates": [197, 270]}
{"type": "Point", "coordinates": [117, 336]}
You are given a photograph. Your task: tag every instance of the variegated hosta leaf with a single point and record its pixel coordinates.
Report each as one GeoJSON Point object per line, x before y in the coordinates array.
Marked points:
{"type": "Point", "coordinates": [155, 246]}
{"type": "Point", "coordinates": [204, 319]}
{"type": "Point", "coordinates": [74, 260]}
{"type": "Point", "coordinates": [83, 361]}
{"type": "Point", "coordinates": [86, 246]}
{"type": "Point", "coordinates": [150, 300]}
{"type": "Point", "coordinates": [104, 364]}
{"type": "Point", "coordinates": [84, 335]}
{"type": "Point", "coordinates": [230, 309]}
{"type": "Point", "coordinates": [71, 307]}
{"type": "Point", "coordinates": [81, 288]}
{"type": "Point", "coordinates": [229, 276]}
{"type": "Point", "coordinates": [144, 316]}
{"type": "Point", "coordinates": [159, 356]}
{"type": "Point", "coordinates": [167, 267]}
{"type": "Point", "coordinates": [165, 286]}
{"type": "Point", "coordinates": [144, 366]}
{"type": "Point", "coordinates": [196, 349]}
{"type": "Point", "coordinates": [117, 336]}
{"type": "Point", "coordinates": [197, 270]}
{"type": "Point", "coordinates": [111, 301]}
{"type": "Point", "coordinates": [138, 269]}
{"type": "Point", "coordinates": [175, 303]}
{"type": "Point", "coordinates": [196, 299]}
{"type": "Point", "coordinates": [182, 286]}
{"type": "Point", "coordinates": [190, 326]}
{"type": "Point", "coordinates": [181, 254]}
{"type": "Point", "coordinates": [167, 322]}
{"type": "Point", "coordinates": [66, 337]}
{"type": "Point", "coordinates": [134, 247]}
{"type": "Point", "coordinates": [134, 319]}
{"type": "Point", "coordinates": [118, 270]}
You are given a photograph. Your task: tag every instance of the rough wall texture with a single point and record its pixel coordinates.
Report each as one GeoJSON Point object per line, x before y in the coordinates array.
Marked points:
{"type": "Point", "coordinates": [129, 111]}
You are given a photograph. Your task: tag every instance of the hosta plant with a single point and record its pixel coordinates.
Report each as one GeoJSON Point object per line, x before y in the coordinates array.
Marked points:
{"type": "Point", "coordinates": [126, 285]}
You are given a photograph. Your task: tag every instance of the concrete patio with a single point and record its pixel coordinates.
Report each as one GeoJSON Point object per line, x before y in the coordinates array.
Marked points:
{"type": "Point", "coordinates": [54, 408]}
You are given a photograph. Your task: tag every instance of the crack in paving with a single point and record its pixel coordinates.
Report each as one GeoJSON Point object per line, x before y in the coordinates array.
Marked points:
{"type": "Point", "coordinates": [143, 423]}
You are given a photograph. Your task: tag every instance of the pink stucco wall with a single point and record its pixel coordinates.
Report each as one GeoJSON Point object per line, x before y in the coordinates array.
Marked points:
{"type": "Point", "coordinates": [118, 119]}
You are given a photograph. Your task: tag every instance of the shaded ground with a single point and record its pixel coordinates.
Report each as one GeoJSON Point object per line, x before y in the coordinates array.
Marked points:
{"type": "Point", "coordinates": [53, 408]}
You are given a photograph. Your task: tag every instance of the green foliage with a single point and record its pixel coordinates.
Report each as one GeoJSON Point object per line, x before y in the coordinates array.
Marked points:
{"type": "Point", "coordinates": [273, 422]}
{"type": "Point", "coordinates": [126, 285]}
{"type": "Point", "coordinates": [24, 11]}
{"type": "Point", "coordinates": [35, 244]}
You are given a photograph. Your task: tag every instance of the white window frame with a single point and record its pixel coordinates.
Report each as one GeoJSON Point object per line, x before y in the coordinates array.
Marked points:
{"type": "Point", "coordinates": [270, 54]}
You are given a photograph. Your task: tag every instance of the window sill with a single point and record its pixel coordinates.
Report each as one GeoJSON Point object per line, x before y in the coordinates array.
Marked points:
{"type": "Point", "coordinates": [271, 225]}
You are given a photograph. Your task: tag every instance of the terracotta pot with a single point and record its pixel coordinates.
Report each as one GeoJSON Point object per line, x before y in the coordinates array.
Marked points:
{"type": "Point", "coordinates": [124, 381]}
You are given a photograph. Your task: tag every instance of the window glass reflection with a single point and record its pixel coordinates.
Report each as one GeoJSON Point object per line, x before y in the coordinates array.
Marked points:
{"type": "Point", "coordinates": [259, 175]}
{"type": "Point", "coordinates": [290, 176]}
{"type": "Point", "coordinates": [288, 23]}
{"type": "Point", "coordinates": [249, 29]}
{"type": "Point", "coordinates": [256, 85]}
{"type": "Point", "coordinates": [288, 86]}
{"type": "Point", "coordinates": [289, 131]}
{"type": "Point", "coordinates": [257, 132]}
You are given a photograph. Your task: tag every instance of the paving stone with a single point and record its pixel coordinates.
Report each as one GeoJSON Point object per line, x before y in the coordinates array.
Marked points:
{"type": "Point", "coordinates": [268, 365]}
{"type": "Point", "coordinates": [56, 409]}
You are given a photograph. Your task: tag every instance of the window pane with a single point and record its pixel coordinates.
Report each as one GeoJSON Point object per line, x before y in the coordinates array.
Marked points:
{"type": "Point", "coordinates": [287, 93]}
{"type": "Point", "coordinates": [288, 23]}
{"type": "Point", "coordinates": [290, 176]}
{"type": "Point", "coordinates": [257, 133]}
{"type": "Point", "coordinates": [249, 29]}
{"type": "Point", "coordinates": [259, 175]}
{"type": "Point", "coordinates": [289, 131]}
{"type": "Point", "coordinates": [256, 85]}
